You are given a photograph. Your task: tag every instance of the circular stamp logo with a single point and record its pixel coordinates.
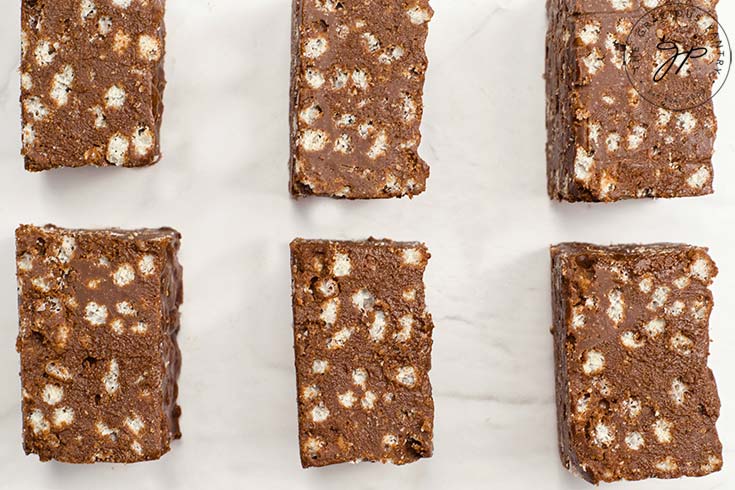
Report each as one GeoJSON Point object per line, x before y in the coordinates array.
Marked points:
{"type": "Point", "coordinates": [678, 56]}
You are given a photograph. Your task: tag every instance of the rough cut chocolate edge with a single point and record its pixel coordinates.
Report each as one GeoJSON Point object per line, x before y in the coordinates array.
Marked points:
{"type": "Point", "coordinates": [159, 84]}
{"type": "Point", "coordinates": [295, 189]}
{"type": "Point", "coordinates": [172, 292]}
{"type": "Point", "coordinates": [362, 339]}
{"type": "Point", "coordinates": [559, 117]}
{"type": "Point", "coordinates": [63, 99]}
{"type": "Point", "coordinates": [563, 403]}
{"type": "Point", "coordinates": [133, 414]}
{"type": "Point", "coordinates": [574, 306]}
{"type": "Point", "coordinates": [589, 156]}
{"type": "Point", "coordinates": [353, 176]}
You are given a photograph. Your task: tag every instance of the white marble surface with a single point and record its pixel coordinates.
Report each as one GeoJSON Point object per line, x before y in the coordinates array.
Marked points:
{"type": "Point", "coordinates": [485, 217]}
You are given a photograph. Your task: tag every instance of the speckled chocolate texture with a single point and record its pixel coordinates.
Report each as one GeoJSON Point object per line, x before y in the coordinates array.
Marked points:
{"type": "Point", "coordinates": [605, 141]}
{"type": "Point", "coordinates": [363, 352]}
{"type": "Point", "coordinates": [635, 397]}
{"type": "Point", "coordinates": [99, 358]}
{"type": "Point", "coordinates": [356, 98]}
{"type": "Point", "coordinates": [91, 82]}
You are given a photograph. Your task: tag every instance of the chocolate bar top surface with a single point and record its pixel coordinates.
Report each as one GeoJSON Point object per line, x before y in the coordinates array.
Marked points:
{"type": "Point", "coordinates": [635, 397]}
{"type": "Point", "coordinates": [610, 138]}
{"type": "Point", "coordinates": [357, 89]}
{"type": "Point", "coordinates": [99, 360]}
{"type": "Point", "coordinates": [91, 82]}
{"type": "Point", "coordinates": [363, 343]}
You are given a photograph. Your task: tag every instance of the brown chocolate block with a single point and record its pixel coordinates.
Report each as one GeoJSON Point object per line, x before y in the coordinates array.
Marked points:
{"type": "Point", "coordinates": [356, 98]}
{"type": "Point", "coordinates": [363, 351]}
{"type": "Point", "coordinates": [99, 358]}
{"type": "Point", "coordinates": [635, 398]}
{"type": "Point", "coordinates": [609, 139]}
{"type": "Point", "coordinates": [92, 81]}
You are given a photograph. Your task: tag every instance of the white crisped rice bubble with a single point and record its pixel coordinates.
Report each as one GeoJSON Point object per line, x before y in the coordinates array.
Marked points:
{"type": "Point", "coordinates": [594, 363]}
{"type": "Point", "coordinates": [320, 413]}
{"type": "Point", "coordinates": [95, 314]}
{"type": "Point", "coordinates": [319, 366]}
{"type": "Point", "coordinates": [124, 275]}
{"type": "Point", "coordinates": [341, 266]}
{"type": "Point", "coordinates": [149, 48]}
{"type": "Point", "coordinates": [111, 378]}
{"type": "Point", "coordinates": [406, 376]}
{"type": "Point", "coordinates": [52, 394]}
{"type": "Point", "coordinates": [117, 149]}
